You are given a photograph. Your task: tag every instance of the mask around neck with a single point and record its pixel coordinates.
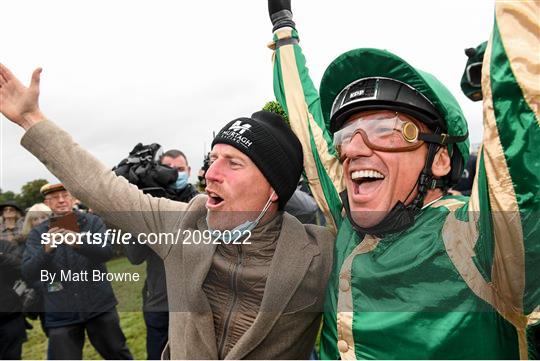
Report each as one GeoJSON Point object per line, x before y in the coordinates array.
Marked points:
{"type": "Point", "coordinates": [240, 230]}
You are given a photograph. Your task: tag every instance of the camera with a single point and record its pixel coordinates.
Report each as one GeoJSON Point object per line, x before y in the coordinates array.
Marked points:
{"type": "Point", "coordinates": [143, 169]}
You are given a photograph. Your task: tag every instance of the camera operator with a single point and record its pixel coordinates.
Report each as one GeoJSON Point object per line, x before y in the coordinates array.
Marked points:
{"type": "Point", "coordinates": [184, 190]}
{"type": "Point", "coordinates": [155, 305]}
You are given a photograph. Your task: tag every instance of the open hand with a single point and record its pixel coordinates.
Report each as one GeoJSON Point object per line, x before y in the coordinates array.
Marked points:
{"type": "Point", "coordinates": [17, 102]}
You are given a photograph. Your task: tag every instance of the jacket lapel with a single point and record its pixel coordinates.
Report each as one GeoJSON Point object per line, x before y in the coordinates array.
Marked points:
{"type": "Point", "coordinates": [289, 265]}
{"type": "Point", "coordinates": [197, 260]}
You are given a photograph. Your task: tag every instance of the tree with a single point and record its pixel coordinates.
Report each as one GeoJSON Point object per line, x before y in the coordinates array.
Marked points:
{"type": "Point", "coordinates": [6, 196]}
{"type": "Point", "coordinates": [30, 193]}
{"type": "Point", "coordinates": [275, 107]}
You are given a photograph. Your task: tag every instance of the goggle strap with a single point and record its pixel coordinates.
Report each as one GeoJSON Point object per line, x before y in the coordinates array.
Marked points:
{"type": "Point", "coordinates": [442, 139]}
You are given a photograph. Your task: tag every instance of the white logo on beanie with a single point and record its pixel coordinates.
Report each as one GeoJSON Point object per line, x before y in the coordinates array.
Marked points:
{"type": "Point", "coordinates": [234, 133]}
{"type": "Point", "coordinates": [239, 127]}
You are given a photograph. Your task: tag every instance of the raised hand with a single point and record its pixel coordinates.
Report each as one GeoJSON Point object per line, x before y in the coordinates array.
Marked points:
{"type": "Point", "coordinates": [17, 102]}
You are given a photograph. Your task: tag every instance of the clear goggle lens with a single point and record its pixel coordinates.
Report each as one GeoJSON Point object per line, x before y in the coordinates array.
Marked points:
{"type": "Point", "coordinates": [389, 133]}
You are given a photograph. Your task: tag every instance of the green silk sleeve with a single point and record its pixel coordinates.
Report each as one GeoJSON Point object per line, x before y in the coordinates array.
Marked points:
{"type": "Point", "coordinates": [296, 93]}
{"type": "Point", "coordinates": [507, 188]}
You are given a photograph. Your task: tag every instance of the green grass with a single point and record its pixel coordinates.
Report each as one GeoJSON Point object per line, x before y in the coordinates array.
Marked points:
{"type": "Point", "coordinates": [131, 318]}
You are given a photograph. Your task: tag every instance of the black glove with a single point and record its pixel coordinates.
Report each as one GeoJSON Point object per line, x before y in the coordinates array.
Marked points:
{"type": "Point", "coordinates": [280, 13]}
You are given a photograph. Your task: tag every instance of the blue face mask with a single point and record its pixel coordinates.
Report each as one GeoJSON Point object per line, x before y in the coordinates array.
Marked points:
{"type": "Point", "coordinates": [181, 181]}
{"type": "Point", "coordinates": [241, 229]}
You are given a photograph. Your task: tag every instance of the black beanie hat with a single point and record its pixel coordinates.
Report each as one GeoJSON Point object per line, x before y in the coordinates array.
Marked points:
{"type": "Point", "coordinates": [269, 142]}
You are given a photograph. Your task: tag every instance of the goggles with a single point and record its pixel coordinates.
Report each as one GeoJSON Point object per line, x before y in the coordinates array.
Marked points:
{"type": "Point", "coordinates": [382, 132]}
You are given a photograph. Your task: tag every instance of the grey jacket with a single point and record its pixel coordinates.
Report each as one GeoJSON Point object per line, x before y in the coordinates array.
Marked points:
{"type": "Point", "coordinates": [290, 311]}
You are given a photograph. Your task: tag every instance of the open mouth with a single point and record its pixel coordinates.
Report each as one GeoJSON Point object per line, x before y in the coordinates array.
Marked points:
{"type": "Point", "coordinates": [214, 200]}
{"type": "Point", "coordinates": [366, 181]}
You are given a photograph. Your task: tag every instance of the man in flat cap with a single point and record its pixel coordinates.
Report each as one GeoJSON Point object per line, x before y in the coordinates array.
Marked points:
{"type": "Point", "coordinates": [73, 306]}
{"type": "Point", "coordinates": [261, 298]}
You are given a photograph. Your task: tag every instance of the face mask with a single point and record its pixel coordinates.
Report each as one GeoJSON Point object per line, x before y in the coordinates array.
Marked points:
{"type": "Point", "coordinates": [181, 181]}
{"type": "Point", "coordinates": [241, 229]}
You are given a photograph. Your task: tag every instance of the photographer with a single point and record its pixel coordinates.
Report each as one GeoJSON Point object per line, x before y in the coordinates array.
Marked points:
{"type": "Point", "coordinates": [155, 305]}
{"type": "Point", "coordinates": [184, 191]}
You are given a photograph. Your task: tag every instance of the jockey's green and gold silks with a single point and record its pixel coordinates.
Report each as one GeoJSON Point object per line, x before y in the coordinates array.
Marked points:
{"type": "Point", "coordinates": [463, 282]}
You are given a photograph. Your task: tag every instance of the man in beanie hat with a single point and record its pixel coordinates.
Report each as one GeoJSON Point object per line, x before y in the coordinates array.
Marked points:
{"type": "Point", "coordinates": [418, 273]}
{"type": "Point", "coordinates": [244, 280]}
{"type": "Point", "coordinates": [266, 141]}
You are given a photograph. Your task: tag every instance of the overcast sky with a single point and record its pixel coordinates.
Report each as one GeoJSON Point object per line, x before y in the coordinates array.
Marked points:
{"type": "Point", "coordinates": [116, 73]}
